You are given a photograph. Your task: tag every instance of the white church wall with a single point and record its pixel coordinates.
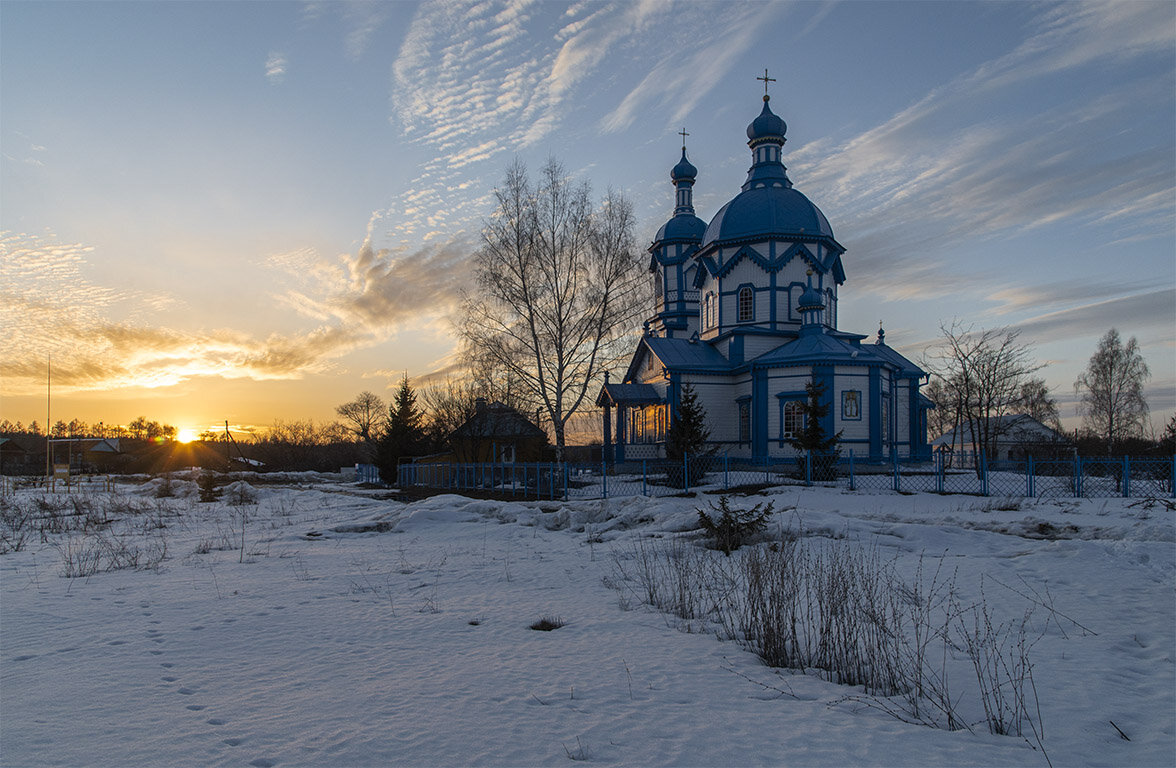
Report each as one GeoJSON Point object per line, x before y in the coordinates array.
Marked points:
{"type": "Point", "coordinates": [856, 380]}
{"type": "Point", "coordinates": [754, 346]}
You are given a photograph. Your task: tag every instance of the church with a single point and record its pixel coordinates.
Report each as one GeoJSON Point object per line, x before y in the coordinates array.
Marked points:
{"type": "Point", "coordinates": [745, 312]}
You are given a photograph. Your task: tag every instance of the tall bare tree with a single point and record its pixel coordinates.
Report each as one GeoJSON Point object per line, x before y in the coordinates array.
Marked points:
{"type": "Point", "coordinates": [363, 416]}
{"type": "Point", "coordinates": [983, 373]}
{"type": "Point", "coordinates": [1037, 403]}
{"type": "Point", "coordinates": [1111, 401]}
{"type": "Point", "coordinates": [558, 288]}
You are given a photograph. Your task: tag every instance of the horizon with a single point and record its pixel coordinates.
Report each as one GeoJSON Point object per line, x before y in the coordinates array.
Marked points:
{"type": "Point", "coordinates": [253, 212]}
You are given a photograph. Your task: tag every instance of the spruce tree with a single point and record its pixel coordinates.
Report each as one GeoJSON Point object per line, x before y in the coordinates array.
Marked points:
{"type": "Point", "coordinates": [687, 437]}
{"type": "Point", "coordinates": [812, 440]}
{"type": "Point", "coordinates": [402, 436]}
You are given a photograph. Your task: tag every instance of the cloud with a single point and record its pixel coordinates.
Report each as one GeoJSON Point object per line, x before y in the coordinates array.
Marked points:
{"type": "Point", "coordinates": [990, 154]}
{"type": "Point", "coordinates": [52, 309]}
{"type": "Point", "coordinates": [1154, 309]}
{"type": "Point", "coordinates": [275, 67]}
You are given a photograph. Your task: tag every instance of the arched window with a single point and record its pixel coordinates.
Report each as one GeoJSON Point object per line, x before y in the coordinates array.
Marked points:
{"type": "Point", "coordinates": [658, 289]}
{"type": "Point", "coordinates": [746, 304]}
{"type": "Point", "coordinates": [708, 310]}
{"type": "Point", "coordinates": [793, 419]}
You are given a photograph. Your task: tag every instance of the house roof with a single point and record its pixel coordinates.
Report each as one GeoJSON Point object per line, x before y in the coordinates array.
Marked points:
{"type": "Point", "coordinates": [628, 394]}
{"type": "Point", "coordinates": [498, 421]}
{"type": "Point", "coordinates": [1011, 428]}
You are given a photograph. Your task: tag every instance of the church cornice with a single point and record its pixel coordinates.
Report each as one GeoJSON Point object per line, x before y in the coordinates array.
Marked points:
{"type": "Point", "coordinates": [719, 270]}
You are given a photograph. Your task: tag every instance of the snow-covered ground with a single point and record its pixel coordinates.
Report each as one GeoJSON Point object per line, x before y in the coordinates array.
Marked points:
{"type": "Point", "coordinates": [355, 630]}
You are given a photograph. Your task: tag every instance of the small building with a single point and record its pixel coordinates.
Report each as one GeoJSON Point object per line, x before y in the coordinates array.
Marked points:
{"type": "Point", "coordinates": [1016, 437]}
{"type": "Point", "coordinates": [498, 433]}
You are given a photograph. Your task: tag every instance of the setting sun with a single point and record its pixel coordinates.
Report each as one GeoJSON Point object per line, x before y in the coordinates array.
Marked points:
{"type": "Point", "coordinates": [186, 435]}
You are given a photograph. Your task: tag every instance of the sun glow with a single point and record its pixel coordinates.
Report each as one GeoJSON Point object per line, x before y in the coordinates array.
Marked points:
{"type": "Point", "coordinates": [186, 435]}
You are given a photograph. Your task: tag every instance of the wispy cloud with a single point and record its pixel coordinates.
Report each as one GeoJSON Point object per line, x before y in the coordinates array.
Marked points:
{"type": "Point", "coordinates": [275, 67]}
{"type": "Point", "coordinates": [947, 171]}
{"type": "Point", "coordinates": [51, 308]}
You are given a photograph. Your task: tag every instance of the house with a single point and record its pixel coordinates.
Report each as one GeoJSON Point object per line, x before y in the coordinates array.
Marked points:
{"type": "Point", "coordinates": [1016, 436]}
{"type": "Point", "coordinates": [746, 313]}
{"type": "Point", "coordinates": [497, 433]}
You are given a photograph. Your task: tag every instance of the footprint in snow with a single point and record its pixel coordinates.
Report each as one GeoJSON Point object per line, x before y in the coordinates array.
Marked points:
{"type": "Point", "coordinates": [26, 657]}
{"type": "Point", "coordinates": [234, 742]}
{"type": "Point", "coordinates": [215, 721]}
{"type": "Point", "coordinates": [117, 642]}
{"type": "Point", "coordinates": [262, 762]}
{"type": "Point", "coordinates": [195, 707]}
{"type": "Point", "coordinates": [185, 691]}
{"type": "Point", "coordinates": [169, 679]}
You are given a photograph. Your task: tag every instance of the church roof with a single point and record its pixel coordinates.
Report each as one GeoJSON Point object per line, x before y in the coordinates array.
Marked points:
{"type": "Point", "coordinates": [820, 348]}
{"type": "Point", "coordinates": [628, 394]}
{"type": "Point", "coordinates": [684, 353]}
{"type": "Point", "coordinates": [682, 227]}
{"type": "Point", "coordinates": [764, 212]}
{"type": "Point", "coordinates": [891, 356]}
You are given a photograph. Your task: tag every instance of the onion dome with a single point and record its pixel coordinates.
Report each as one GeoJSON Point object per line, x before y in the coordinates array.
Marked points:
{"type": "Point", "coordinates": [766, 126]}
{"type": "Point", "coordinates": [683, 170]}
{"type": "Point", "coordinates": [685, 225]}
{"type": "Point", "coordinates": [811, 299]}
{"type": "Point", "coordinates": [768, 206]}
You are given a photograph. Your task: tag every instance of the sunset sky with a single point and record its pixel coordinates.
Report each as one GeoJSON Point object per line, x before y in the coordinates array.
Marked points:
{"type": "Point", "coordinates": [251, 211]}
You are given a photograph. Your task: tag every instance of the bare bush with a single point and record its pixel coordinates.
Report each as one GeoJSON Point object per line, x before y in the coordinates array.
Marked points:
{"type": "Point", "coordinates": [840, 611]}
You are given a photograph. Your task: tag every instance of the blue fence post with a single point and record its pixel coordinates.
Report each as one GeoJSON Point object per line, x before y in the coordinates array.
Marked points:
{"type": "Point", "coordinates": [604, 479]}
{"type": "Point", "coordinates": [726, 471]}
{"type": "Point", "coordinates": [940, 471]}
{"type": "Point", "coordinates": [567, 471]}
{"type": "Point", "coordinates": [852, 479]}
{"type": "Point", "coordinates": [1078, 476]}
{"type": "Point", "coordinates": [644, 475]}
{"type": "Point", "coordinates": [983, 473]}
{"type": "Point", "coordinates": [894, 461]}
{"type": "Point", "coordinates": [767, 471]}
{"type": "Point", "coordinates": [1126, 477]}
{"type": "Point", "coordinates": [686, 473]}
{"type": "Point", "coordinates": [1029, 477]}
{"type": "Point", "coordinates": [808, 468]}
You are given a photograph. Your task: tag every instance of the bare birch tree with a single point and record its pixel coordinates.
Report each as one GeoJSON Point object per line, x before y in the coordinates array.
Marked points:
{"type": "Point", "coordinates": [363, 416]}
{"type": "Point", "coordinates": [983, 374]}
{"type": "Point", "coordinates": [558, 288]}
{"type": "Point", "coordinates": [1112, 404]}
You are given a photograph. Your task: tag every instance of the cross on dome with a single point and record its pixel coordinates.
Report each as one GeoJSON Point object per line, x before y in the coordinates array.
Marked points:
{"type": "Point", "coordinates": [683, 134]}
{"type": "Point", "coordinates": [766, 80]}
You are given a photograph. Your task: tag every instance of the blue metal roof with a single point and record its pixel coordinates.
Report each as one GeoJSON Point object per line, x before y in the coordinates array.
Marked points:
{"type": "Point", "coordinates": [767, 211]}
{"type": "Point", "coordinates": [684, 226]}
{"type": "Point", "coordinates": [628, 394]}
{"type": "Point", "coordinates": [684, 353]}
{"type": "Point", "coordinates": [819, 347]}
{"type": "Point", "coordinates": [889, 355]}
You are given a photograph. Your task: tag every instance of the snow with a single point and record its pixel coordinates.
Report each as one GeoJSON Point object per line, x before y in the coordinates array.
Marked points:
{"type": "Point", "coordinates": [358, 630]}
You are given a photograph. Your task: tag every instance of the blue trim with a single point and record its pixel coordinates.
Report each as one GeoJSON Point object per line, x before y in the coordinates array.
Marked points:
{"type": "Point", "coordinates": [759, 415]}
{"type": "Point", "coordinates": [875, 414]}
{"type": "Point", "coordinates": [823, 375]}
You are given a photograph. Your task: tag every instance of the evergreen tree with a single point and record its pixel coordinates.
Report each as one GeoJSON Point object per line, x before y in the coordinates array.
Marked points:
{"type": "Point", "coordinates": [812, 440]}
{"type": "Point", "coordinates": [1168, 441]}
{"type": "Point", "coordinates": [403, 435]}
{"type": "Point", "coordinates": [687, 437]}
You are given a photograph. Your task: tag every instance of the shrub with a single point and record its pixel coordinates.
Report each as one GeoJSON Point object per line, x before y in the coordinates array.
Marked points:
{"type": "Point", "coordinates": [734, 528]}
{"type": "Point", "coordinates": [548, 623]}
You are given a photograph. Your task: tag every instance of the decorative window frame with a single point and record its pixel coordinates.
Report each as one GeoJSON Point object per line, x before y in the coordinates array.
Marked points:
{"type": "Point", "coordinates": [853, 413]}
{"type": "Point", "coordinates": [791, 410]}
{"type": "Point", "coordinates": [743, 418]}
{"type": "Point", "coordinates": [748, 290]}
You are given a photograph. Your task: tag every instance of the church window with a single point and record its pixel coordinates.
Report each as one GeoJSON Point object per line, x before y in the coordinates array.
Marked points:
{"type": "Point", "coordinates": [745, 421]}
{"type": "Point", "coordinates": [851, 404]}
{"type": "Point", "coordinates": [746, 304]}
{"type": "Point", "coordinates": [793, 419]}
{"type": "Point", "coordinates": [658, 289]}
{"type": "Point", "coordinates": [708, 310]}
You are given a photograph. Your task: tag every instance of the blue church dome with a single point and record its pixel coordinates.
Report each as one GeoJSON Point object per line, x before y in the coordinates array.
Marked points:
{"type": "Point", "coordinates": [682, 227]}
{"type": "Point", "coordinates": [767, 125]}
{"type": "Point", "coordinates": [766, 211]}
{"type": "Point", "coordinates": [684, 169]}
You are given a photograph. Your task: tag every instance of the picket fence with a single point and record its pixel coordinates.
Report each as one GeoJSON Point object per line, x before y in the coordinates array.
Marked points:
{"type": "Point", "coordinates": [1074, 477]}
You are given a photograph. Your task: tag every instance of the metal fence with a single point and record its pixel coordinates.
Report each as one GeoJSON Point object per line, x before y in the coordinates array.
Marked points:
{"type": "Point", "coordinates": [1126, 476]}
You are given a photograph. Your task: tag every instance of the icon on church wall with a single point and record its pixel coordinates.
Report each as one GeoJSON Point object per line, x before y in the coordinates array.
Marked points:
{"type": "Point", "coordinates": [851, 404]}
